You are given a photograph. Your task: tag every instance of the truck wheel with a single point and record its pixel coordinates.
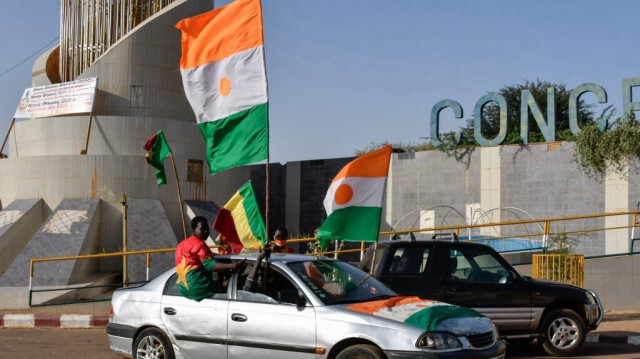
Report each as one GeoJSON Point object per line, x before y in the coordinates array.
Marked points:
{"type": "Point", "coordinates": [361, 351]}
{"type": "Point", "coordinates": [562, 332]}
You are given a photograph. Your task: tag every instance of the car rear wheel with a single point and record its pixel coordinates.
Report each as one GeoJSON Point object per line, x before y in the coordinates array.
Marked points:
{"type": "Point", "coordinates": [361, 351]}
{"type": "Point", "coordinates": [152, 344]}
{"type": "Point", "coordinates": [562, 332]}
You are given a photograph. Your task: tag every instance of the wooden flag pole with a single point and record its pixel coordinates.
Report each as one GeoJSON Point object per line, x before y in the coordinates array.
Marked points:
{"type": "Point", "coordinates": [6, 137]}
{"type": "Point", "coordinates": [184, 225]}
{"type": "Point", "coordinates": [266, 214]}
{"type": "Point", "coordinates": [86, 145]}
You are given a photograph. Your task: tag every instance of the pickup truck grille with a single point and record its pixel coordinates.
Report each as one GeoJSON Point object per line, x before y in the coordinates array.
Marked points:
{"type": "Point", "coordinates": [482, 340]}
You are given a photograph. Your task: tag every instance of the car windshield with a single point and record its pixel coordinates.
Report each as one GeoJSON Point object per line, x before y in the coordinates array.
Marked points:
{"type": "Point", "coordinates": [336, 282]}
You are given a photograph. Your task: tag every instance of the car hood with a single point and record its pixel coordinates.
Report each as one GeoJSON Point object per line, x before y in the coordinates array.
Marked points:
{"type": "Point", "coordinates": [427, 315]}
{"type": "Point", "coordinates": [562, 290]}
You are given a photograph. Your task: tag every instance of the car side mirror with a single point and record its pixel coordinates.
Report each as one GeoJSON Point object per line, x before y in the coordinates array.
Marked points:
{"type": "Point", "coordinates": [511, 277]}
{"type": "Point", "coordinates": [292, 296]}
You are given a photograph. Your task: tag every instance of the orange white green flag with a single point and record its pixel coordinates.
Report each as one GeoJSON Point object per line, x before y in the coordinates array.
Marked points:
{"type": "Point", "coordinates": [224, 78]}
{"type": "Point", "coordinates": [354, 199]}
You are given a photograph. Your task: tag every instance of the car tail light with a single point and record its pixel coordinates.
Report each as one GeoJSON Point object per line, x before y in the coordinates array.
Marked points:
{"type": "Point", "coordinates": [111, 311]}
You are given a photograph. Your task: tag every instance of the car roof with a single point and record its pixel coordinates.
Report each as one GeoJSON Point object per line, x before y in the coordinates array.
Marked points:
{"type": "Point", "coordinates": [430, 241]}
{"type": "Point", "coordinates": [275, 257]}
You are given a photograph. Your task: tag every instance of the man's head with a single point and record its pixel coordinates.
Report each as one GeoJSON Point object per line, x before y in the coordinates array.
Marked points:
{"type": "Point", "coordinates": [280, 236]}
{"type": "Point", "coordinates": [200, 227]}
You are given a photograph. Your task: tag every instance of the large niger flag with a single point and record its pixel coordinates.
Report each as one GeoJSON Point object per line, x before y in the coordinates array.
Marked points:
{"type": "Point", "coordinates": [354, 199]}
{"type": "Point", "coordinates": [240, 221]}
{"type": "Point", "coordinates": [224, 78]}
{"type": "Point", "coordinates": [422, 313]}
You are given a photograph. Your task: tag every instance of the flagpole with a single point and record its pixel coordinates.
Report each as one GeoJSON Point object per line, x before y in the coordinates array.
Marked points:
{"type": "Point", "coordinates": [6, 137]}
{"type": "Point", "coordinates": [184, 225]}
{"type": "Point", "coordinates": [266, 205]}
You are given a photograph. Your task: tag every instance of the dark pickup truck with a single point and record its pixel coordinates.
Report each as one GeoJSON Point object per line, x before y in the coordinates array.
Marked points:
{"type": "Point", "coordinates": [476, 276]}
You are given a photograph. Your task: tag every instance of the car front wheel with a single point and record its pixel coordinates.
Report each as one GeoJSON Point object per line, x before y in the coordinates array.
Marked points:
{"type": "Point", "coordinates": [361, 351]}
{"type": "Point", "coordinates": [152, 344]}
{"type": "Point", "coordinates": [562, 333]}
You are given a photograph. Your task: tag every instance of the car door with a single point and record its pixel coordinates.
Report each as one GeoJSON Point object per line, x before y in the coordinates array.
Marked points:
{"type": "Point", "coordinates": [406, 271]}
{"type": "Point", "coordinates": [478, 278]}
{"type": "Point", "coordinates": [264, 325]}
{"type": "Point", "coordinates": [199, 329]}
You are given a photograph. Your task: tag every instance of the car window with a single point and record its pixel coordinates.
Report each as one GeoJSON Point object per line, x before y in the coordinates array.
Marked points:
{"type": "Point", "coordinates": [408, 261]}
{"type": "Point", "coordinates": [279, 288]}
{"type": "Point", "coordinates": [336, 282]}
{"type": "Point", "coordinates": [472, 264]}
{"type": "Point", "coordinates": [220, 283]}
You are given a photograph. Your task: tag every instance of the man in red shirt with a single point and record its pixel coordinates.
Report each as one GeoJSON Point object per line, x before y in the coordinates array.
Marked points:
{"type": "Point", "coordinates": [195, 261]}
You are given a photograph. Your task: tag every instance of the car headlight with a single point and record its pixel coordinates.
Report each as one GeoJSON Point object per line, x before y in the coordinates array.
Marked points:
{"type": "Point", "coordinates": [438, 341]}
{"type": "Point", "coordinates": [494, 329]}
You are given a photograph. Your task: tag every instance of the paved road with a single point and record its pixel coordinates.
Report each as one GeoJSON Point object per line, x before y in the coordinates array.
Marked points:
{"type": "Point", "coordinates": [56, 343]}
{"type": "Point", "coordinates": [588, 351]}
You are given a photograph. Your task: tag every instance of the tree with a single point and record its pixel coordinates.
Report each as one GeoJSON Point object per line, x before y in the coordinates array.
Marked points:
{"type": "Point", "coordinates": [513, 94]}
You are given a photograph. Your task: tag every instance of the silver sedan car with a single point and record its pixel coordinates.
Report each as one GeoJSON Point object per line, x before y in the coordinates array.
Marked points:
{"type": "Point", "coordinates": [310, 307]}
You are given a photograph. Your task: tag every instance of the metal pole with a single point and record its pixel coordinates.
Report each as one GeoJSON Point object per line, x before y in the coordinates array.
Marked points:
{"type": "Point", "coordinates": [6, 137]}
{"type": "Point", "coordinates": [30, 281]}
{"type": "Point", "coordinates": [86, 145]}
{"type": "Point", "coordinates": [545, 236]}
{"type": "Point", "coordinates": [148, 264]}
{"type": "Point", "coordinates": [266, 204]}
{"type": "Point", "coordinates": [125, 276]}
{"type": "Point", "coordinates": [373, 258]}
{"type": "Point", "coordinates": [184, 225]}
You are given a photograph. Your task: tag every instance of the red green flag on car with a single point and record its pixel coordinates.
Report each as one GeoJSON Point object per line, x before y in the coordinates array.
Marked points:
{"type": "Point", "coordinates": [422, 313]}
{"type": "Point", "coordinates": [240, 221]}
{"type": "Point", "coordinates": [354, 199]}
{"type": "Point", "coordinates": [157, 150]}
{"type": "Point", "coordinates": [225, 81]}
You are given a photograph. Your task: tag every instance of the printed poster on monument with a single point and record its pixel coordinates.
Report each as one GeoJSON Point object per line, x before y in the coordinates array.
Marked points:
{"type": "Point", "coordinates": [58, 99]}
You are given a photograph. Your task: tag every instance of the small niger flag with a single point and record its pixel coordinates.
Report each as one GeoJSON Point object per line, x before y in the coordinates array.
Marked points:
{"type": "Point", "coordinates": [225, 81]}
{"type": "Point", "coordinates": [240, 221]}
{"type": "Point", "coordinates": [157, 150]}
{"type": "Point", "coordinates": [354, 199]}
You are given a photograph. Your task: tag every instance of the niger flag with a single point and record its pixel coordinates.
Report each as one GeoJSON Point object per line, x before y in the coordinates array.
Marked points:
{"type": "Point", "coordinates": [354, 199]}
{"type": "Point", "coordinates": [240, 221]}
{"type": "Point", "coordinates": [224, 79]}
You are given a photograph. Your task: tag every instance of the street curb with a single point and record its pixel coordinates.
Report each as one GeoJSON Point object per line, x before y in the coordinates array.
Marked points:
{"type": "Point", "coordinates": [613, 339]}
{"type": "Point", "coordinates": [53, 321]}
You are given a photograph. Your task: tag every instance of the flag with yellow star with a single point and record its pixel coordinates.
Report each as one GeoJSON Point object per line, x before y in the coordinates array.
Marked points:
{"type": "Point", "coordinates": [194, 261]}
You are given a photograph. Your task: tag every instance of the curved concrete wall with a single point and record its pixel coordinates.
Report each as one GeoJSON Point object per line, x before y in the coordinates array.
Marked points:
{"type": "Point", "coordinates": [139, 92]}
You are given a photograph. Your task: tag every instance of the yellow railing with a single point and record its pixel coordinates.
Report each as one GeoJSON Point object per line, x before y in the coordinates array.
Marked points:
{"type": "Point", "coordinates": [565, 268]}
{"type": "Point", "coordinates": [545, 234]}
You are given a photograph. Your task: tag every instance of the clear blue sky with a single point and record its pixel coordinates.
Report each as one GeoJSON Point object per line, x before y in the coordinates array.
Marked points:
{"type": "Point", "coordinates": [344, 74]}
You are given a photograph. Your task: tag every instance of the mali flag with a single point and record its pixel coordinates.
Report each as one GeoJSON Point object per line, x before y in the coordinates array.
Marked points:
{"type": "Point", "coordinates": [354, 199]}
{"type": "Point", "coordinates": [157, 150]}
{"type": "Point", "coordinates": [225, 81]}
{"type": "Point", "coordinates": [240, 221]}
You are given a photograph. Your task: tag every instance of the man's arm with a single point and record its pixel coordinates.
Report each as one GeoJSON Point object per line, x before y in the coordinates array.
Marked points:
{"type": "Point", "coordinates": [250, 284]}
{"type": "Point", "coordinates": [237, 266]}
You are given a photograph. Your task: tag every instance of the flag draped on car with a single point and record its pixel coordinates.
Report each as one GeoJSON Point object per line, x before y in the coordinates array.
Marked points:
{"type": "Point", "coordinates": [157, 150]}
{"type": "Point", "coordinates": [240, 221]}
{"type": "Point", "coordinates": [422, 313]}
{"type": "Point", "coordinates": [354, 199]}
{"type": "Point", "coordinates": [224, 78]}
